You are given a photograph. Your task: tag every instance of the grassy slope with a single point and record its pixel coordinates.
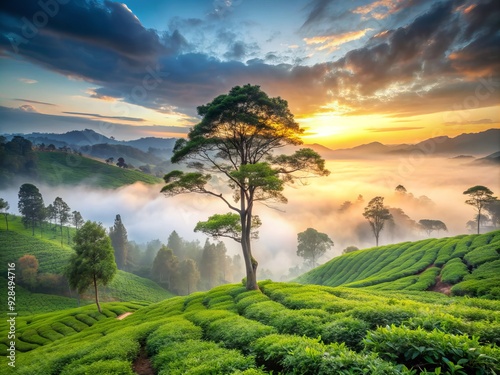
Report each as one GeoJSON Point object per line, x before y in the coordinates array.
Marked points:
{"type": "Point", "coordinates": [471, 263]}
{"type": "Point", "coordinates": [288, 328]}
{"type": "Point", "coordinates": [58, 168]}
{"type": "Point", "coordinates": [52, 258]}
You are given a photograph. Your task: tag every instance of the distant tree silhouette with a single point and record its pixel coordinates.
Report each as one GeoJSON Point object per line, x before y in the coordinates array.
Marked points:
{"type": "Point", "coordinates": [4, 208]}
{"type": "Point", "coordinates": [121, 163]}
{"type": "Point", "coordinates": [312, 245]}
{"type": "Point", "coordinates": [429, 225]}
{"type": "Point", "coordinates": [349, 249]}
{"type": "Point", "coordinates": [479, 196]}
{"type": "Point", "coordinates": [119, 241]}
{"type": "Point", "coordinates": [30, 205]}
{"type": "Point", "coordinates": [61, 214]}
{"type": "Point", "coordinates": [165, 268]}
{"type": "Point", "coordinates": [77, 219]}
{"type": "Point", "coordinates": [377, 214]}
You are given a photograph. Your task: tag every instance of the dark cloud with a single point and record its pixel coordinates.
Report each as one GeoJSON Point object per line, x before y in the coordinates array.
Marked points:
{"type": "Point", "coordinates": [34, 102]}
{"type": "Point", "coordinates": [125, 118]}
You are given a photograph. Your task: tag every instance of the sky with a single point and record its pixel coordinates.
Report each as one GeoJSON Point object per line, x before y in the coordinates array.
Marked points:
{"type": "Point", "coordinates": [352, 72]}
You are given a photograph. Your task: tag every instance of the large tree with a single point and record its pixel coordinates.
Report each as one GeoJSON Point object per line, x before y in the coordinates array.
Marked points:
{"type": "Point", "coordinates": [479, 197]}
{"type": "Point", "coordinates": [62, 214]}
{"type": "Point", "coordinates": [312, 245]}
{"type": "Point", "coordinates": [190, 276]}
{"type": "Point", "coordinates": [165, 268]}
{"type": "Point", "coordinates": [30, 205]}
{"type": "Point", "coordinates": [235, 141]}
{"type": "Point", "coordinates": [119, 240]}
{"type": "Point", "coordinates": [377, 214]}
{"type": "Point", "coordinates": [4, 208]}
{"type": "Point", "coordinates": [94, 261]}
{"type": "Point", "coordinates": [77, 219]}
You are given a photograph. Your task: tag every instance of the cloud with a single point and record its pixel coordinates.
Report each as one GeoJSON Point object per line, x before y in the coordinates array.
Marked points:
{"type": "Point", "coordinates": [28, 81]}
{"type": "Point", "coordinates": [332, 42]}
{"type": "Point", "coordinates": [483, 121]}
{"type": "Point", "coordinates": [125, 118]}
{"type": "Point", "coordinates": [34, 102]}
{"type": "Point", "coordinates": [28, 108]}
{"type": "Point", "coordinates": [393, 129]}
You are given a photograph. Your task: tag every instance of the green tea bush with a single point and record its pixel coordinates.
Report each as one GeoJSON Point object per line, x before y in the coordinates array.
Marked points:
{"type": "Point", "coordinates": [49, 333]}
{"type": "Point", "coordinates": [108, 367]}
{"type": "Point", "coordinates": [483, 254]}
{"type": "Point", "coordinates": [432, 351]}
{"type": "Point", "coordinates": [454, 271]}
{"type": "Point", "coordinates": [200, 357]}
{"type": "Point", "coordinates": [444, 254]}
{"type": "Point", "coordinates": [249, 298]}
{"type": "Point", "coordinates": [348, 330]}
{"type": "Point", "coordinates": [31, 336]}
{"type": "Point", "coordinates": [439, 321]}
{"type": "Point", "coordinates": [426, 280]}
{"type": "Point", "coordinates": [203, 318]}
{"type": "Point", "coordinates": [382, 315]}
{"type": "Point", "coordinates": [264, 312]}
{"type": "Point", "coordinates": [299, 355]}
{"type": "Point", "coordinates": [176, 329]}
{"type": "Point", "coordinates": [236, 332]}
{"type": "Point", "coordinates": [297, 322]}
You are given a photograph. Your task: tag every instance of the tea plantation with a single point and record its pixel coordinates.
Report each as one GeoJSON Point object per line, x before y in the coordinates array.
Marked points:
{"type": "Point", "coordinates": [52, 258]}
{"type": "Point", "coordinates": [463, 265]}
{"type": "Point", "coordinates": [286, 328]}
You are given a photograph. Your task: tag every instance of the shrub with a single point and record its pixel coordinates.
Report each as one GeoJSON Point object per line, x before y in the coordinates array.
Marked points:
{"type": "Point", "coordinates": [432, 350]}
{"type": "Point", "coordinates": [382, 315]}
{"type": "Point", "coordinates": [236, 332]}
{"type": "Point", "coordinates": [350, 331]}
{"type": "Point", "coordinates": [177, 329]}
{"type": "Point", "coordinates": [454, 271]}
{"type": "Point", "coordinates": [297, 322]}
{"type": "Point", "coordinates": [108, 367]}
{"type": "Point", "coordinates": [200, 357]}
{"type": "Point", "coordinates": [426, 279]}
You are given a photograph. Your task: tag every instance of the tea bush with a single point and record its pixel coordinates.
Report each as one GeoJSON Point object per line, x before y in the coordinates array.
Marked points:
{"type": "Point", "coordinates": [454, 271]}
{"type": "Point", "coordinates": [348, 330]}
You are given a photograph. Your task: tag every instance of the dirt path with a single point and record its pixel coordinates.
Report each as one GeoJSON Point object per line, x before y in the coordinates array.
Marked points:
{"type": "Point", "coordinates": [124, 315]}
{"type": "Point", "coordinates": [142, 364]}
{"type": "Point", "coordinates": [441, 287]}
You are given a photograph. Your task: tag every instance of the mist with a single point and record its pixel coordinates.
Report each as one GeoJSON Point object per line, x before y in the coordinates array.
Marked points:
{"type": "Point", "coordinates": [147, 214]}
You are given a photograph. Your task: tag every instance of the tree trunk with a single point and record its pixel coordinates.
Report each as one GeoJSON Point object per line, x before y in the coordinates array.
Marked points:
{"type": "Point", "coordinates": [376, 240]}
{"type": "Point", "coordinates": [478, 219]}
{"type": "Point", "coordinates": [61, 234]}
{"type": "Point", "coordinates": [250, 262]}
{"type": "Point", "coordinates": [96, 298]}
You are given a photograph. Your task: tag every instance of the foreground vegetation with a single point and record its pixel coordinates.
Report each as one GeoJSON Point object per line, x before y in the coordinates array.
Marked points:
{"type": "Point", "coordinates": [464, 265]}
{"type": "Point", "coordinates": [285, 328]}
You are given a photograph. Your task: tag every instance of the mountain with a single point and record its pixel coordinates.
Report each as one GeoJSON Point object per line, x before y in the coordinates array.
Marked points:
{"type": "Point", "coordinates": [481, 143]}
{"type": "Point", "coordinates": [490, 159]}
{"type": "Point", "coordinates": [462, 265]}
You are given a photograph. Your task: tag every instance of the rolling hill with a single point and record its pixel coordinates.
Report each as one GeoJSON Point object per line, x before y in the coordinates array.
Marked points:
{"type": "Point", "coordinates": [59, 168]}
{"type": "Point", "coordinates": [462, 265]}
{"type": "Point", "coordinates": [52, 258]}
{"type": "Point", "coordinates": [285, 328]}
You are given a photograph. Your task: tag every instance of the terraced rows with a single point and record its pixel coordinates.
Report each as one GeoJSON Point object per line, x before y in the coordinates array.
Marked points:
{"type": "Point", "coordinates": [287, 328]}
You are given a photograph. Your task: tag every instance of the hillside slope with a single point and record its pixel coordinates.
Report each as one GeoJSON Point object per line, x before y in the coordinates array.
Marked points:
{"type": "Point", "coordinates": [53, 258]}
{"type": "Point", "coordinates": [468, 264]}
{"type": "Point", "coordinates": [285, 328]}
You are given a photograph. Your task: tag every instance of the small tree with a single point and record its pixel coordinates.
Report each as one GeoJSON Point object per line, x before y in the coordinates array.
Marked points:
{"type": "Point", "coordinates": [77, 219]}
{"type": "Point", "coordinates": [165, 268]}
{"type": "Point", "coordinates": [61, 213]}
{"type": "Point", "coordinates": [312, 245]}
{"type": "Point", "coordinates": [4, 208]}
{"type": "Point", "coordinates": [28, 269]}
{"type": "Point", "coordinates": [431, 225]}
{"type": "Point", "coordinates": [479, 196]}
{"type": "Point", "coordinates": [94, 262]}
{"type": "Point", "coordinates": [119, 240]}
{"type": "Point", "coordinates": [377, 214]}
{"type": "Point", "coordinates": [30, 205]}
{"type": "Point", "coordinates": [235, 140]}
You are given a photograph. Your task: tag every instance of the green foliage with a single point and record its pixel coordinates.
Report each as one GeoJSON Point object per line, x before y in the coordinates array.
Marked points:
{"type": "Point", "coordinates": [58, 168]}
{"type": "Point", "coordinates": [454, 271]}
{"type": "Point", "coordinates": [348, 330]}
{"type": "Point", "coordinates": [452, 354]}
{"type": "Point", "coordinates": [312, 245]}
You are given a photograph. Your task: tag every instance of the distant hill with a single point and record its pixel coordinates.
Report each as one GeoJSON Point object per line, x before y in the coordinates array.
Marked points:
{"type": "Point", "coordinates": [490, 159]}
{"type": "Point", "coordinates": [482, 143]}
{"type": "Point", "coordinates": [462, 265]}
{"type": "Point", "coordinates": [59, 168]}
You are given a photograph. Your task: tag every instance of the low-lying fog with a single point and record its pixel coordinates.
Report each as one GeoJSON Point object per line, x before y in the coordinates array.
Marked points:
{"type": "Point", "coordinates": [148, 215]}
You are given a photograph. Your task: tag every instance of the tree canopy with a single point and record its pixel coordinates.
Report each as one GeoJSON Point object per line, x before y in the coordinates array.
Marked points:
{"type": "Point", "coordinates": [4, 208]}
{"type": "Point", "coordinates": [479, 197]}
{"type": "Point", "coordinates": [312, 245]}
{"type": "Point", "coordinates": [119, 241]}
{"type": "Point", "coordinates": [377, 214]}
{"type": "Point", "coordinates": [235, 141]}
{"type": "Point", "coordinates": [93, 262]}
{"type": "Point", "coordinates": [30, 205]}
{"type": "Point", "coordinates": [430, 226]}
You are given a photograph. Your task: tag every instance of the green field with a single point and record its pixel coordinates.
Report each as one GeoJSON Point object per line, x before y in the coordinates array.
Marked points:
{"type": "Point", "coordinates": [52, 258]}
{"type": "Point", "coordinates": [59, 168]}
{"type": "Point", "coordinates": [286, 328]}
{"type": "Point", "coordinates": [465, 265]}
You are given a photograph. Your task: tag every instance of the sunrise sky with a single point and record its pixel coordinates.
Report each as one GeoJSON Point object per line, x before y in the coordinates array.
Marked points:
{"type": "Point", "coordinates": [353, 72]}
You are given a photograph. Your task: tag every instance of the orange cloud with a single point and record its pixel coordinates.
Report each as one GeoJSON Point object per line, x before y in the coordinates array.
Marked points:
{"type": "Point", "coordinates": [332, 42]}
